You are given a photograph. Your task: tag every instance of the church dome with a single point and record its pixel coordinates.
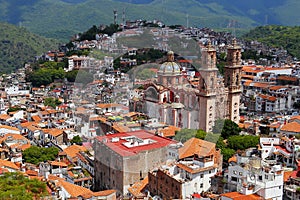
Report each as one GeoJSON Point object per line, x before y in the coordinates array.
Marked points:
{"type": "Point", "coordinates": [170, 66]}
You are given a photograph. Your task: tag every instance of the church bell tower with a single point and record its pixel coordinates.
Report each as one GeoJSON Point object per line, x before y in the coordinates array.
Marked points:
{"type": "Point", "coordinates": [232, 80]}
{"type": "Point", "coordinates": [207, 88]}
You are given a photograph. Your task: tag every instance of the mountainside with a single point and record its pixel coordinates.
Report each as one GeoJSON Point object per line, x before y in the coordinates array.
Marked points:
{"type": "Point", "coordinates": [63, 18]}
{"type": "Point", "coordinates": [277, 36]}
{"type": "Point", "coordinates": [19, 46]}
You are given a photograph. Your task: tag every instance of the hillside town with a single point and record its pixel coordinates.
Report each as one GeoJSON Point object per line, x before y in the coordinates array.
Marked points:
{"type": "Point", "coordinates": [116, 134]}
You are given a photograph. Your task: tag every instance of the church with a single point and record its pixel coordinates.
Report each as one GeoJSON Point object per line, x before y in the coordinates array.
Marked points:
{"type": "Point", "coordinates": [194, 103]}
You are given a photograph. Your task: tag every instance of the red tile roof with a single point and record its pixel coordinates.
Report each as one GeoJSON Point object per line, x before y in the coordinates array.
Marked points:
{"type": "Point", "coordinates": [261, 85]}
{"type": "Point", "coordinates": [8, 164]}
{"type": "Point", "coordinates": [239, 196]}
{"type": "Point", "coordinates": [4, 116]}
{"type": "Point", "coordinates": [277, 87]}
{"type": "Point", "coordinates": [9, 127]}
{"type": "Point", "coordinates": [287, 175]}
{"type": "Point", "coordinates": [108, 105]}
{"type": "Point", "coordinates": [72, 150]}
{"type": "Point", "coordinates": [36, 118]}
{"type": "Point", "coordinates": [267, 97]}
{"type": "Point", "coordinates": [137, 188]}
{"type": "Point", "coordinates": [291, 127]}
{"type": "Point", "coordinates": [169, 131]}
{"type": "Point", "coordinates": [122, 150]}
{"type": "Point", "coordinates": [287, 78]}
{"type": "Point", "coordinates": [195, 146]}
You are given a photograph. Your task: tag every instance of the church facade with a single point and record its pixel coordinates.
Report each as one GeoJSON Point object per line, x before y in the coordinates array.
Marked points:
{"type": "Point", "coordinates": [194, 103]}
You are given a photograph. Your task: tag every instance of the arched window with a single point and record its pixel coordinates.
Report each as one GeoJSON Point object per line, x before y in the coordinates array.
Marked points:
{"type": "Point", "coordinates": [212, 82]}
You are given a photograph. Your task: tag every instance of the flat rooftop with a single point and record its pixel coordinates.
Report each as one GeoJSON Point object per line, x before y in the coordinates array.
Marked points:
{"type": "Point", "coordinates": [132, 143]}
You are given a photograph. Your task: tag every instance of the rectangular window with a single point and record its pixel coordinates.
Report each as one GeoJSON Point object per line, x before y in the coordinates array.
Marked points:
{"type": "Point", "coordinates": [234, 179]}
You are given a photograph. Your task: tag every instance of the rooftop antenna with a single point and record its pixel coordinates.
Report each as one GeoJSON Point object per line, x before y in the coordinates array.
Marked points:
{"type": "Point", "coordinates": [123, 18]}
{"type": "Point", "coordinates": [162, 10]}
{"type": "Point", "coordinates": [232, 24]}
{"type": "Point", "coordinates": [187, 20]}
{"type": "Point", "coordinates": [266, 19]}
{"type": "Point", "coordinates": [115, 16]}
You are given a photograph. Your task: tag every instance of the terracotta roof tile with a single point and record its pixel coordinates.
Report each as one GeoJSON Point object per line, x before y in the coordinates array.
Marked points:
{"type": "Point", "coordinates": [8, 164]}
{"type": "Point", "coordinates": [291, 127]}
{"type": "Point", "coordinates": [36, 118]}
{"type": "Point", "coordinates": [75, 190]}
{"type": "Point", "coordinates": [32, 173]}
{"type": "Point", "coordinates": [72, 150]}
{"type": "Point", "coordinates": [54, 132]}
{"type": "Point", "coordinates": [104, 193]}
{"type": "Point", "coordinates": [277, 87]}
{"type": "Point", "coordinates": [295, 117]}
{"type": "Point", "coordinates": [287, 175]}
{"type": "Point", "coordinates": [267, 97]}
{"type": "Point", "coordinates": [239, 196]}
{"type": "Point", "coordinates": [20, 141]}
{"type": "Point", "coordinates": [287, 78]}
{"type": "Point", "coordinates": [9, 127]}
{"type": "Point", "coordinates": [108, 105]}
{"type": "Point", "coordinates": [196, 146]}
{"type": "Point", "coordinates": [169, 131]}
{"type": "Point", "coordinates": [4, 117]}
{"type": "Point", "coordinates": [55, 163]}
{"type": "Point", "coordinates": [137, 188]}
{"type": "Point", "coordinates": [261, 85]}
{"type": "Point", "coordinates": [232, 159]}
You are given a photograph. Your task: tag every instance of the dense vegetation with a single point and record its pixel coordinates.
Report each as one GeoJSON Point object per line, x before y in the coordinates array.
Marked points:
{"type": "Point", "coordinates": [17, 186]}
{"type": "Point", "coordinates": [53, 102]}
{"type": "Point", "coordinates": [146, 55]}
{"type": "Point", "coordinates": [286, 37]}
{"type": "Point", "coordinates": [36, 154]}
{"type": "Point", "coordinates": [78, 15]}
{"type": "Point", "coordinates": [44, 73]}
{"type": "Point", "coordinates": [19, 46]}
{"type": "Point", "coordinates": [223, 129]}
{"type": "Point", "coordinates": [90, 34]}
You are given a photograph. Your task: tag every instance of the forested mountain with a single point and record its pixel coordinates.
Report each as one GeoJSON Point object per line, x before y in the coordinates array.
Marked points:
{"type": "Point", "coordinates": [63, 18]}
{"type": "Point", "coordinates": [286, 37]}
{"type": "Point", "coordinates": [19, 46]}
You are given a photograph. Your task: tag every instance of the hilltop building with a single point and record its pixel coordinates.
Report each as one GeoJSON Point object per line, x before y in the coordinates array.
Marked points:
{"type": "Point", "coordinates": [177, 101]}
{"type": "Point", "coordinates": [121, 159]}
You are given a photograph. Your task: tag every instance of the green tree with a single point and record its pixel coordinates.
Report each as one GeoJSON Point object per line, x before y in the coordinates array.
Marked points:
{"type": "Point", "coordinates": [15, 185]}
{"type": "Point", "coordinates": [76, 139]}
{"type": "Point", "coordinates": [45, 76]}
{"type": "Point", "coordinates": [185, 134]}
{"type": "Point", "coordinates": [242, 142]}
{"type": "Point", "coordinates": [53, 102]}
{"type": "Point", "coordinates": [226, 128]}
{"type": "Point", "coordinates": [227, 153]}
{"type": "Point", "coordinates": [71, 75]}
{"type": "Point", "coordinates": [36, 154]}
{"type": "Point", "coordinates": [145, 74]}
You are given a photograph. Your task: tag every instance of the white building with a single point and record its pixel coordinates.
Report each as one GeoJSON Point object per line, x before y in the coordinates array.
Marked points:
{"type": "Point", "coordinates": [198, 162]}
{"type": "Point", "coordinates": [254, 178]}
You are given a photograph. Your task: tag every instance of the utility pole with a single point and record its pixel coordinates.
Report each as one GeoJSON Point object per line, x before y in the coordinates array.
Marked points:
{"type": "Point", "coordinates": [115, 16]}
